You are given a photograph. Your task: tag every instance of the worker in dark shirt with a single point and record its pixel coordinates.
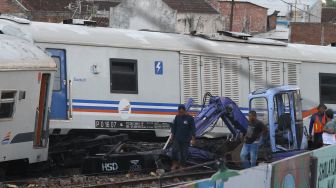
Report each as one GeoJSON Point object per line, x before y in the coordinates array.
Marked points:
{"type": "Point", "coordinates": [182, 135]}
{"type": "Point", "coordinates": [251, 142]}
{"type": "Point", "coordinates": [317, 122]}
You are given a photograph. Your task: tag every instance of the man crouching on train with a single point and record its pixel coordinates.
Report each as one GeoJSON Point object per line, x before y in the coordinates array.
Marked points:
{"type": "Point", "coordinates": [182, 134]}
{"type": "Point", "coordinates": [252, 139]}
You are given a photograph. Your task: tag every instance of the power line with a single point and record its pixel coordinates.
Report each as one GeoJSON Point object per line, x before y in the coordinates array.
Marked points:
{"type": "Point", "coordinates": [301, 9]}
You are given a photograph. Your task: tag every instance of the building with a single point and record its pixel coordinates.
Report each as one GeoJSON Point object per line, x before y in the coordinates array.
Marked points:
{"type": "Point", "coordinates": [182, 16]}
{"type": "Point", "coordinates": [57, 11]}
{"type": "Point", "coordinates": [328, 14]}
{"type": "Point", "coordinates": [247, 17]}
{"type": "Point", "coordinates": [10, 7]}
{"type": "Point", "coordinates": [323, 33]}
{"type": "Point", "coordinates": [313, 33]}
{"type": "Point", "coordinates": [292, 10]}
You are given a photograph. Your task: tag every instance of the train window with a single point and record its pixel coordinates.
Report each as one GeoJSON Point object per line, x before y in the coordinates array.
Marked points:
{"type": "Point", "coordinates": [57, 77]}
{"type": "Point", "coordinates": [7, 104]}
{"type": "Point", "coordinates": [124, 76]}
{"type": "Point", "coordinates": [327, 88]}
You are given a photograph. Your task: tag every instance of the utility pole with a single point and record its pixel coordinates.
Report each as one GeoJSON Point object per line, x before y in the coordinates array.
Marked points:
{"type": "Point", "coordinates": [231, 16]}
{"type": "Point", "coordinates": [295, 11]}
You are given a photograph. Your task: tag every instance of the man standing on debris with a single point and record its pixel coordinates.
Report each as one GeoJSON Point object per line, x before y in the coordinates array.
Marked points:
{"type": "Point", "coordinates": [250, 147]}
{"type": "Point", "coordinates": [182, 135]}
{"type": "Point", "coordinates": [317, 122]}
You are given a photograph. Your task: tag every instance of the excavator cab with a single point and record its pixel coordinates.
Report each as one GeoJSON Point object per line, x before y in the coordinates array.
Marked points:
{"type": "Point", "coordinates": [280, 110]}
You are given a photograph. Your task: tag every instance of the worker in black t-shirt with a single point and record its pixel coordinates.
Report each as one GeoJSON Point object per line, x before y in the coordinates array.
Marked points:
{"type": "Point", "coordinates": [251, 142]}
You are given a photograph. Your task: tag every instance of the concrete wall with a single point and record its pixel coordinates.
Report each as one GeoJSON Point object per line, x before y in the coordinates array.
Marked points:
{"type": "Point", "coordinates": [247, 17]}
{"type": "Point", "coordinates": [295, 171]}
{"type": "Point", "coordinates": [313, 33]}
{"type": "Point", "coordinates": [143, 14]}
{"type": "Point", "coordinates": [315, 9]}
{"type": "Point", "coordinates": [158, 16]}
{"type": "Point", "coordinates": [202, 23]}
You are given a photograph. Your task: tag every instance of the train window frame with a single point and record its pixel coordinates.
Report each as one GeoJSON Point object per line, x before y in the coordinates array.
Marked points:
{"type": "Point", "coordinates": [321, 85]}
{"type": "Point", "coordinates": [58, 72]}
{"type": "Point", "coordinates": [8, 100]}
{"type": "Point", "coordinates": [134, 73]}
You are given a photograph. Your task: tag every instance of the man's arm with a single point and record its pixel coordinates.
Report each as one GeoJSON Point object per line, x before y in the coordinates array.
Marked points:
{"type": "Point", "coordinates": [173, 128]}
{"type": "Point", "coordinates": [312, 120]}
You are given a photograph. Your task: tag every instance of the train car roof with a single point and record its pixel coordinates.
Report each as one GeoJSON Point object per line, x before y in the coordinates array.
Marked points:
{"type": "Point", "coordinates": [18, 54]}
{"type": "Point", "coordinates": [121, 38]}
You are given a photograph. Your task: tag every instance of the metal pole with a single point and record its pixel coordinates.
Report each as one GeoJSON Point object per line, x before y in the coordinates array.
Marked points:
{"type": "Point", "coordinates": [231, 16]}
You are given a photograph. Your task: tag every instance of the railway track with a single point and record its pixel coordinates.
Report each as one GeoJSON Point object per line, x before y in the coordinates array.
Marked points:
{"type": "Point", "coordinates": [112, 181]}
{"type": "Point", "coordinates": [171, 180]}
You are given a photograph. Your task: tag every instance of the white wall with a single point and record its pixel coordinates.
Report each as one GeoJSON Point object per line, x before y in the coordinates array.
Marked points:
{"type": "Point", "coordinates": [202, 23]}
{"type": "Point", "coordinates": [143, 14]}
{"type": "Point", "coordinates": [158, 16]}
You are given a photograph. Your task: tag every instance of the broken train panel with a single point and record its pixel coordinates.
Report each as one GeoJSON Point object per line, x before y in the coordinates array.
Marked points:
{"type": "Point", "coordinates": [26, 74]}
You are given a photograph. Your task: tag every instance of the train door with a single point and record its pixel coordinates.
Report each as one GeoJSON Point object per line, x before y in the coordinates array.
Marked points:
{"type": "Point", "coordinates": [59, 107]}
{"type": "Point", "coordinates": [41, 119]}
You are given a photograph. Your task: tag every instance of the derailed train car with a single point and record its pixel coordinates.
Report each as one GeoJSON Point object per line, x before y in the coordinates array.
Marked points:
{"type": "Point", "coordinates": [26, 77]}
{"type": "Point", "coordinates": [113, 79]}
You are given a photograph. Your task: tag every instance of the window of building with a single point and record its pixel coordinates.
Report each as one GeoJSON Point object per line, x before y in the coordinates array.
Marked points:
{"type": "Point", "coordinates": [57, 77]}
{"type": "Point", "coordinates": [327, 88]}
{"type": "Point", "coordinates": [7, 104]}
{"type": "Point", "coordinates": [124, 76]}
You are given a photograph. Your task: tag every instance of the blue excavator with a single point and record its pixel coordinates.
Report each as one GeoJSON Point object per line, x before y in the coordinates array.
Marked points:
{"type": "Point", "coordinates": [280, 110]}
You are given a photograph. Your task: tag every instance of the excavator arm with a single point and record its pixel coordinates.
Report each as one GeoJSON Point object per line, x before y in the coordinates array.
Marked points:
{"type": "Point", "coordinates": [220, 108]}
{"type": "Point", "coordinates": [217, 108]}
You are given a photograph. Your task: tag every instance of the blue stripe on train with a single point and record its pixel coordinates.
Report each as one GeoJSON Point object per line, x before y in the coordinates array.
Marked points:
{"type": "Point", "coordinates": [95, 107]}
{"type": "Point", "coordinates": [94, 101]}
{"type": "Point", "coordinates": [132, 103]}
{"type": "Point", "coordinates": [117, 102]}
{"type": "Point", "coordinates": [153, 110]}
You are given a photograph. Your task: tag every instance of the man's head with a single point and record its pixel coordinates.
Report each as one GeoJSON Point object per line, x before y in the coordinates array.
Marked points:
{"type": "Point", "coordinates": [329, 113]}
{"type": "Point", "coordinates": [181, 109]}
{"type": "Point", "coordinates": [321, 108]}
{"type": "Point", "coordinates": [252, 116]}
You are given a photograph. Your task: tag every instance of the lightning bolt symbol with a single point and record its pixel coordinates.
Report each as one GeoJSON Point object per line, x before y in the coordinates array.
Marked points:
{"type": "Point", "coordinates": [158, 66]}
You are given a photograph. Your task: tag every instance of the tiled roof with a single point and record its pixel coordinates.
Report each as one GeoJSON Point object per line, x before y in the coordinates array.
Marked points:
{"type": "Point", "coordinates": [196, 6]}
{"type": "Point", "coordinates": [328, 15]}
{"type": "Point", "coordinates": [244, 2]}
{"type": "Point", "coordinates": [46, 5]}
{"type": "Point", "coordinates": [60, 5]}
{"type": "Point", "coordinates": [101, 21]}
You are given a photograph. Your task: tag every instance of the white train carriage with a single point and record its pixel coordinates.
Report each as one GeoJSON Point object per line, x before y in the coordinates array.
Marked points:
{"type": "Point", "coordinates": [26, 75]}
{"type": "Point", "coordinates": [114, 79]}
